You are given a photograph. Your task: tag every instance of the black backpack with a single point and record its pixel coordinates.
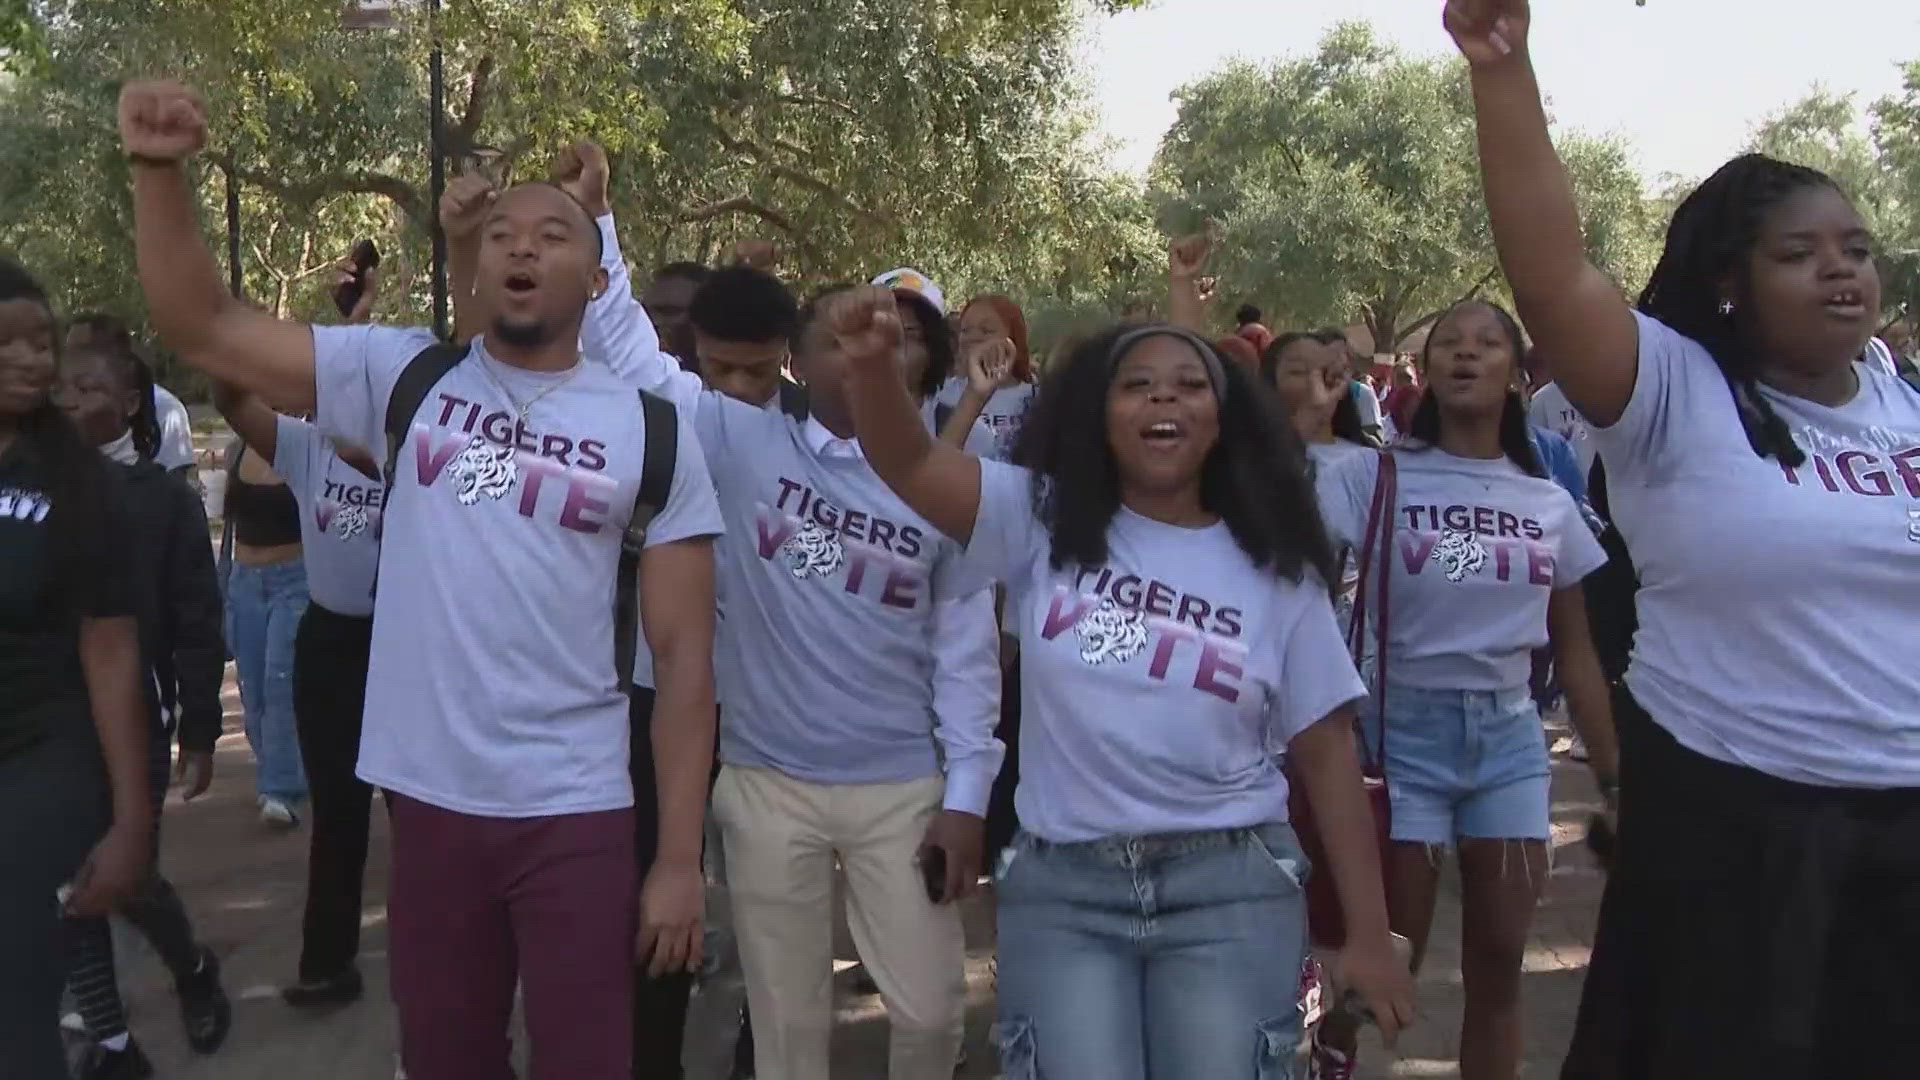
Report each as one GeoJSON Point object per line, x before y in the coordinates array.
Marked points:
{"type": "Point", "coordinates": [427, 368]}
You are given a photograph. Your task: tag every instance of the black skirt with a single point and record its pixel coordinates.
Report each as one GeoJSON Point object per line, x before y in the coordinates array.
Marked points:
{"type": "Point", "coordinates": [1751, 927]}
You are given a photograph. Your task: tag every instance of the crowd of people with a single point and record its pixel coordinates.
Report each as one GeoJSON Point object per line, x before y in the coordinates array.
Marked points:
{"type": "Point", "coordinates": [1200, 654]}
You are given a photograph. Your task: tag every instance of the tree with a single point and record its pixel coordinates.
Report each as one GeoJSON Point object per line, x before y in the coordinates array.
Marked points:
{"type": "Point", "coordinates": [951, 134]}
{"type": "Point", "coordinates": [1345, 185]}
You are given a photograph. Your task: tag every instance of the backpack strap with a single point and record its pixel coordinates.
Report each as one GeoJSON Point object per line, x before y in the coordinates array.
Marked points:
{"type": "Point", "coordinates": [793, 401]}
{"type": "Point", "coordinates": [656, 483]}
{"type": "Point", "coordinates": [416, 380]}
{"type": "Point", "coordinates": [1376, 567]}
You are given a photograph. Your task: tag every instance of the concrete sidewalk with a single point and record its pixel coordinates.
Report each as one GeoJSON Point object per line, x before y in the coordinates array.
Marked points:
{"type": "Point", "coordinates": [244, 887]}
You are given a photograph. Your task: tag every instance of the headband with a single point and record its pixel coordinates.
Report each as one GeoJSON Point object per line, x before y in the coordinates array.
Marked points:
{"type": "Point", "coordinates": [1208, 357]}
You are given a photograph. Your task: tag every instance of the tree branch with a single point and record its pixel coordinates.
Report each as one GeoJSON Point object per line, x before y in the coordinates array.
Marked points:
{"type": "Point", "coordinates": [825, 103]}
{"type": "Point", "coordinates": [361, 182]}
{"type": "Point", "coordinates": [737, 144]}
{"type": "Point", "coordinates": [739, 204]}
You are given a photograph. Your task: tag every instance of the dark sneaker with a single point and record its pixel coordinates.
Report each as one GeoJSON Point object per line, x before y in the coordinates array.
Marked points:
{"type": "Point", "coordinates": [125, 1064]}
{"type": "Point", "coordinates": [325, 995]}
{"type": "Point", "coordinates": [204, 1009]}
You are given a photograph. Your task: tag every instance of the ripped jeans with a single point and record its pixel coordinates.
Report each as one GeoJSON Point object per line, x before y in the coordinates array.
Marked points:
{"type": "Point", "coordinates": [1152, 958]}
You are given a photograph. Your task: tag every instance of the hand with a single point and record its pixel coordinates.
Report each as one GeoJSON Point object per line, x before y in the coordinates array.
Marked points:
{"type": "Point", "coordinates": [193, 773]}
{"type": "Point", "coordinates": [343, 272]}
{"type": "Point", "coordinates": [1487, 31]}
{"type": "Point", "coordinates": [1187, 256]}
{"type": "Point", "coordinates": [989, 366]}
{"type": "Point", "coordinates": [581, 171]}
{"type": "Point", "coordinates": [1205, 287]}
{"type": "Point", "coordinates": [866, 322]}
{"type": "Point", "coordinates": [673, 905]}
{"type": "Point", "coordinates": [113, 870]}
{"type": "Point", "coordinates": [464, 205]}
{"type": "Point", "coordinates": [759, 254]}
{"type": "Point", "coordinates": [162, 120]}
{"type": "Point", "coordinates": [963, 837]}
{"type": "Point", "coordinates": [1371, 968]}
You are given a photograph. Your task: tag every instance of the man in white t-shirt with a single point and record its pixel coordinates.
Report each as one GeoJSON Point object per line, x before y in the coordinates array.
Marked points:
{"type": "Point", "coordinates": [496, 719]}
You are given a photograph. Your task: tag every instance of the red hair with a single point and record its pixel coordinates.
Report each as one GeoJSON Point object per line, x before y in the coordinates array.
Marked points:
{"type": "Point", "coordinates": [1016, 325]}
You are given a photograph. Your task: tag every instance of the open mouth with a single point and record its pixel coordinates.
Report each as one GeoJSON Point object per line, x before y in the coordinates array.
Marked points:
{"type": "Point", "coordinates": [521, 283]}
{"type": "Point", "coordinates": [1163, 433]}
{"type": "Point", "coordinates": [1847, 304]}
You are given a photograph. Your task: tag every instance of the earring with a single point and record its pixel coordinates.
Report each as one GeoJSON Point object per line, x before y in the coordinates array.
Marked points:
{"type": "Point", "coordinates": [1726, 307]}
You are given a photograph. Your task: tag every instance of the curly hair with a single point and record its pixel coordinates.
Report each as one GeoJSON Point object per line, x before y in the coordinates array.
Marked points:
{"type": "Point", "coordinates": [1255, 477]}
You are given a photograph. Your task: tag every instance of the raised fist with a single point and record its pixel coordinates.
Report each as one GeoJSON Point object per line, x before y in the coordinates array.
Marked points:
{"type": "Point", "coordinates": [990, 365]}
{"type": "Point", "coordinates": [162, 121]}
{"type": "Point", "coordinates": [866, 322]}
{"type": "Point", "coordinates": [1487, 31]}
{"type": "Point", "coordinates": [1187, 256]}
{"type": "Point", "coordinates": [759, 254]}
{"type": "Point", "coordinates": [463, 206]}
{"type": "Point", "coordinates": [581, 171]}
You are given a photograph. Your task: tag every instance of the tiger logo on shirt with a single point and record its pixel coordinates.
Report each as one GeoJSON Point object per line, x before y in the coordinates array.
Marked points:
{"type": "Point", "coordinates": [483, 468]}
{"type": "Point", "coordinates": [1111, 632]}
{"type": "Point", "coordinates": [350, 521]}
{"type": "Point", "coordinates": [1459, 554]}
{"type": "Point", "coordinates": [813, 552]}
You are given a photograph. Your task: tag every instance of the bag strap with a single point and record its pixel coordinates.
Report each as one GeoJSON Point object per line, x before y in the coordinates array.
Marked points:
{"type": "Point", "coordinates": [410, 390]}
{"type": "Point", "coordinates": [793, 400]}
{"type": "Point", "coordinates": [656, 483]}
{"type": "Point", "coordinates": [1377, 539]}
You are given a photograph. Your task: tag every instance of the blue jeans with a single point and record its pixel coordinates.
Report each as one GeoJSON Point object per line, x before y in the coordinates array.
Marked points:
{"type": "Point", "coordinates": [264, 605]}
{"type": "Point", "coordinates": [1152, 958]}
{"type": "Point", "coordinates": [1465, 764]}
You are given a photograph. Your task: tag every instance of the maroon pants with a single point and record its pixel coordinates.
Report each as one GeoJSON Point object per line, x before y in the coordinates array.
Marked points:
{"type": "Point", "coordinates": [477, 904]}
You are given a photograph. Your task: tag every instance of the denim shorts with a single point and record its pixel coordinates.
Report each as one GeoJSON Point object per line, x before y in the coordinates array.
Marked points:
{"type": "Point", "coordinates": [1464, 764]}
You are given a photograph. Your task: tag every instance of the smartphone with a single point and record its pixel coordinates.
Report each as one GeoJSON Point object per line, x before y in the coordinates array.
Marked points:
{"type": "Point", "coordinates": [347, 294]}
{"type": "Point", "coordinates": [933, 873]}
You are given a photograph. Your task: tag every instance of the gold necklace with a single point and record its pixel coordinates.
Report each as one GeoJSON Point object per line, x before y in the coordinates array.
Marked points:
{"type": "Point", "coordinates": [486, 365]}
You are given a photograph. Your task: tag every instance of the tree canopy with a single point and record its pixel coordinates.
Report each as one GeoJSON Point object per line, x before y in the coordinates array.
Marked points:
{"type": "Point", "coordinates": [1345, 186]}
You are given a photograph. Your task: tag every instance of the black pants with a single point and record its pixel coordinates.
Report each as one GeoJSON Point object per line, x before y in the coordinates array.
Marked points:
{"type": "Point", "coordinates": [329, 695]}
{"type": "Point", "coordinates": [154, 909]}
{"type": "Point", "coordinates": [1002, 821]}
{"type": "Point", "coordinates": [1751, 927]}
{"type": "Point", "coordinates": [659, 1004]}
{"type": "Point", "coordinates": [53, 808]}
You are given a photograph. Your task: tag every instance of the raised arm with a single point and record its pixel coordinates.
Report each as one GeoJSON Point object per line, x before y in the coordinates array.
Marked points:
{"type": "Point", "coordinates": [1574, 311]}
{"type": "Point", "coordinates": [257, 425]}
{"type": "Point", "coordinates": [463, 207]}
{"type": "Point", "coordinates": [986, 368]}
{"type": "Point", "coordinates": [940, 483]}
{"type": "Point", "coordinates": [162, 124]}
{"type": "Point", "coordinates": [1187, 290]}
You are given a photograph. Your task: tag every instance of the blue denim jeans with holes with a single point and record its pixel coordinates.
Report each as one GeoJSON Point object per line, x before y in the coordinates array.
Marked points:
{"type": "Point", "coordinates": [264, 605]}
{"type": "Point", "coordinates": [1152, 958]}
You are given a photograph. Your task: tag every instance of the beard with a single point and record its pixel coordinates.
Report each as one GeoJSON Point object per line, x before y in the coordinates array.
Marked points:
{"type": "Point", "coordinates": [521, 335]}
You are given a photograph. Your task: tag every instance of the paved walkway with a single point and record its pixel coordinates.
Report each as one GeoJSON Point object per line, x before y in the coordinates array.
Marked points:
{"type": "Point", "coordinates": [244, 886]}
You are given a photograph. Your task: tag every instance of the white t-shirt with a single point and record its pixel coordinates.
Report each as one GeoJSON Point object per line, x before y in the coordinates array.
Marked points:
{"type": "Point", "coordinates": [1003, 415]}
{"type": "Point", "coordinates": [1154, 688]}
{"type": "Point", "coordinates": [176, 430]}
{"type": "Point", "coordinates": [1777, 605]}
{"type": "Point", "coordinates": [492, 688]}
{"type": "Point", "coordinates": [1331, 457]}
{"type": "Point", "coordinates": [1478, 547]}
{"type": "Point", "coordinates": [339, 517]}
{"type": "Point", "coordinates": [1368, 400]}
{"type": "Point", "coordinates": [1550, 409]}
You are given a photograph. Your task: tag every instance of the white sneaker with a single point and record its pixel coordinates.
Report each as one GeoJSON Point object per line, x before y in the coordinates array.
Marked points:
{"type": "Point", "coordinates": [276, 814]}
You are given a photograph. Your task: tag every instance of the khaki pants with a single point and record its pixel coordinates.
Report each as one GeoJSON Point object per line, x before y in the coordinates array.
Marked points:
{"type": "Point", "coordinates": [781, 837]}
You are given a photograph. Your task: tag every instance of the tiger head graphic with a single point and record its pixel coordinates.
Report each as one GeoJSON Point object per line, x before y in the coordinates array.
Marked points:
{"type": "Point", "coordinates": [350, 521]}
{"type": "Point", "coordinates": [813, 551]}
{"type": "Point", "coordinates": [1459, 554]}
{"type": "Point", "coordinates": [1111, 632]}
{"type": "Point", "coordinates": [482, 469]}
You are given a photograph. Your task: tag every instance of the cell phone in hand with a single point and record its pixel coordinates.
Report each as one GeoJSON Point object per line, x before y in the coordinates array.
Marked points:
{"type": "Point", "coordinates": [346, 295]}
{"type": "Point", "coordinates": [933, 873]}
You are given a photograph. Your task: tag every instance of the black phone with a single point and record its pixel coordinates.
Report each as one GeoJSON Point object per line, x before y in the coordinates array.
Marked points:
{"type": "Point", "coordinates": [347, 294]}
{"type": "Point", "coordinates": [933, 873]}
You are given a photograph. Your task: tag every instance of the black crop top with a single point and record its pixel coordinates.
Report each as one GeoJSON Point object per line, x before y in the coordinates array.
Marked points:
{"type": "Point", "coordinates": [263, 515]}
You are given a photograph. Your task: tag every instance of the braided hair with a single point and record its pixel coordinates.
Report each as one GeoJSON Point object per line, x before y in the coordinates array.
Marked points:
{"type": "Point", "coordinates": [1711, 236]}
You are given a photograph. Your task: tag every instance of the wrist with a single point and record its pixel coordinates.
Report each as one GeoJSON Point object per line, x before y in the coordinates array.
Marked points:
{"type": "Point", "coordinates": [147, 161]}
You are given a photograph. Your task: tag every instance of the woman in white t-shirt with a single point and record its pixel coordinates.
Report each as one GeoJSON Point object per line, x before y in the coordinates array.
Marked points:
{"type": "Point", "coordinates": [1165, 582]}
{"type": "Point", "coordinates": [1761, 916]}
{"type": "Point", "coordinates": [1482, 557]}
{"type": "Point", "coordinates": [993, 323]}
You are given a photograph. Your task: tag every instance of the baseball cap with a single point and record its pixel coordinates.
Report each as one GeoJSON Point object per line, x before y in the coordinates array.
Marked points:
{"type": "Point", "coordinates": [907, 279]}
